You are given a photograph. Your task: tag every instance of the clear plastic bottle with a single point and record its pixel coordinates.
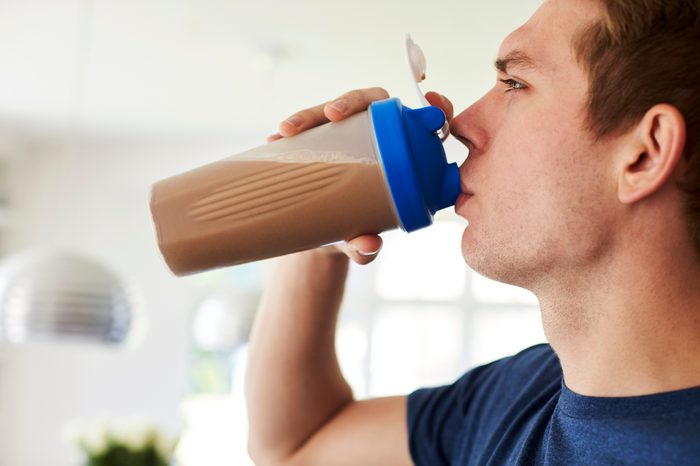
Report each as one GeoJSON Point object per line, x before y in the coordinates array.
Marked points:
{"type": "Point", "coordinates": [381, 169]}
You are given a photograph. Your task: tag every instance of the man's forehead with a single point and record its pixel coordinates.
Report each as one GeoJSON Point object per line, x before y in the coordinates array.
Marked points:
{"type": "Point", "coordinates": [518, 51]}
{"type": "Point", "coordinates": [545, 40]}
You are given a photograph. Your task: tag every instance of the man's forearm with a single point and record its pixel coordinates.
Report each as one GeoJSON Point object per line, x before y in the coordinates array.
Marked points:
{"type": "Point", "coordinates": [294, 384]}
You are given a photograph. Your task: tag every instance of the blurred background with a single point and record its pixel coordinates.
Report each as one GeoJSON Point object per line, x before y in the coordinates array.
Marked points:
{"type": "Point", "coordinates": [99, 99]}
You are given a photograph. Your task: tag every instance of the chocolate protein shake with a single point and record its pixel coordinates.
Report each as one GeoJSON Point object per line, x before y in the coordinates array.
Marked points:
{"type": "Point", "coordinates": [381, 169]}
{"type": "Point", "coordinates": [231, 212]}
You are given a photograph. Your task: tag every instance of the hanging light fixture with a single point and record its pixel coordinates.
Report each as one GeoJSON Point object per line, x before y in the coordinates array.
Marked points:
{"type": "Point", "coordinates": [222, 321]}
{"type": "Point", "coordinates": [48, 296]}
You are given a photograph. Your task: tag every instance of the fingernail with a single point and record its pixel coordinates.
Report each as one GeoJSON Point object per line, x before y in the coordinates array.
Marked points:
{"type": "Point", "coordinates": [354, 248]}
{"type": "Point", "coordinates": [294, 120]}
{"type": "Point", "coordinates": [370, 253]}
{"type": "Point", "coordinates": [443, 98]}
{"type": "Point", "coordinates": [340, 106]}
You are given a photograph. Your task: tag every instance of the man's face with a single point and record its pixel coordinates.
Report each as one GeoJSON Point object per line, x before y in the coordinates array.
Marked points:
{"type": "Point", "coordinates": [540, 183]}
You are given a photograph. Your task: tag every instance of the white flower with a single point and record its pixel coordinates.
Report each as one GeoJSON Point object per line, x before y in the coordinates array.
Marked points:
{"type": "Point", "coordinates": [165, 446]}
{"type": "Point", "coordinates": [94, 440]}
{"type": "Point", "coordinates": [133, 433]}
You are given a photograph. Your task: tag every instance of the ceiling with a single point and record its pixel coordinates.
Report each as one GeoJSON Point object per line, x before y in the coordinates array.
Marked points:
{"type": "Point", "coordinates": [222, 66]}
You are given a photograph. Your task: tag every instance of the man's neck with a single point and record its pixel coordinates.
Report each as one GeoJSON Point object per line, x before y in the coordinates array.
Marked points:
{"type": "Point", "coordinates": [632, 330]}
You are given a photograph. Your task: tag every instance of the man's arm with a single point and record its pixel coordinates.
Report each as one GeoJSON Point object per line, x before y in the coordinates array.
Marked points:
{"type": "Point", "coordinates": [300, 407]}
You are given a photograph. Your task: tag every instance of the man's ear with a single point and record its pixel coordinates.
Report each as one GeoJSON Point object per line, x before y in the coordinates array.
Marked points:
{"type": "Point", "coordinates": [652, 154]}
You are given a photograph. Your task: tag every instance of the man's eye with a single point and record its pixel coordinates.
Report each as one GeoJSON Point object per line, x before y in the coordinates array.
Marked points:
{"type": "Point", "coordinates": [513, 85]}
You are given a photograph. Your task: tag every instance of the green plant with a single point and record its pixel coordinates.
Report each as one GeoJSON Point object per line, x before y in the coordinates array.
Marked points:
{"type": "Point", "coordinates": [125, 443]}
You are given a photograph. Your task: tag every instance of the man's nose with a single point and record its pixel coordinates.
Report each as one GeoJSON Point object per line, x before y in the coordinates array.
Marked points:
{"type": "Point", "coordinates": [470, 127]}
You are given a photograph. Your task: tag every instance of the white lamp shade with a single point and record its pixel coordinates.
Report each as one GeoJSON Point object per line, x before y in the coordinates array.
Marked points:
{"type": "Point", "coordinates": [59, 296]}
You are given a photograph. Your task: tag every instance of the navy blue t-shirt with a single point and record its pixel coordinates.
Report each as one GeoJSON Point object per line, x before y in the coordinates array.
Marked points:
{"type": "Point", "coordinates": [517, 411]}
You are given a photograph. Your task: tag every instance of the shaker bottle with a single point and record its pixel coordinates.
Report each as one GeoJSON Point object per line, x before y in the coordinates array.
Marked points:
{"type": "Point", "coordinates": [378, 170]}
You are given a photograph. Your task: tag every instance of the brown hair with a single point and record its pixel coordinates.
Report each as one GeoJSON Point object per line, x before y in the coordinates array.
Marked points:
{"type": "Point", "coordinates": [642, 53]}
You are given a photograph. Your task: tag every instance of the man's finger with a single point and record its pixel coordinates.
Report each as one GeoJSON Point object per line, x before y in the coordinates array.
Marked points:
{"type": "Point", "coordinates": [348, 104]}
{"type": "Point", "coordinates": [363, 249]}
{"type": "Point", "coordinates": [303, 120]}
{"type": "Point", "coordinates": [274, 137]}
{"type": "Point", "coordinates": [438, 100]}
{"type": "Point", "coordinates": [353, 102]}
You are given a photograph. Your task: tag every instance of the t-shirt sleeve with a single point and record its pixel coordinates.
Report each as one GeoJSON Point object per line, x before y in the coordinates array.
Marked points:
{"type": "Point", "coordinates": [444, 420]}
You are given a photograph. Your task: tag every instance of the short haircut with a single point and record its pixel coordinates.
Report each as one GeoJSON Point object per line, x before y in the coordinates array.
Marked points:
{"type": "Point", "coordinates": [639, 54]}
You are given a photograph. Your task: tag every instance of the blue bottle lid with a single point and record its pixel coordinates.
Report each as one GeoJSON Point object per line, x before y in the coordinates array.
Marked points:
{"type": "Point", "coordinates": [419, 178]}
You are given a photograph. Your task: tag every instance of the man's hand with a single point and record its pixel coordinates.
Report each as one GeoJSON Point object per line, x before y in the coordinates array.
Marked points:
{"type": "Point", "coordinates": [363, 249]}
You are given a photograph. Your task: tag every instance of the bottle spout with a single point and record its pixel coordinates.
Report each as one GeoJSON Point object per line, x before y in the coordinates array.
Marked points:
{"type": "Point", "coordinates": [451, 186]}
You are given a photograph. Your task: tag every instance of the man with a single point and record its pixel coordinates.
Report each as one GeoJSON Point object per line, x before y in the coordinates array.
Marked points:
{"type": "Point", "coordinates": [582, 185]}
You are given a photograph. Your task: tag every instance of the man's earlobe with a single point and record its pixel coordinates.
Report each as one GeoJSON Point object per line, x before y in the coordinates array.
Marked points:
{"type": "Point", "coordinates": [653, 154]}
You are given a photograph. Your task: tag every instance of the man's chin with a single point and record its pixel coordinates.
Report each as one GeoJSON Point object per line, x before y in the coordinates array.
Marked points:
{"type": "Point", "coordinates": [473, 253]}
{"type": "Point", "coordinates": [490, 261]}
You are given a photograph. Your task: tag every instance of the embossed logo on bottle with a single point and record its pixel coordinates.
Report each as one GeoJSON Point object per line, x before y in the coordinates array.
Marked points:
{"type": "Point", "coordinates": [274, 186]}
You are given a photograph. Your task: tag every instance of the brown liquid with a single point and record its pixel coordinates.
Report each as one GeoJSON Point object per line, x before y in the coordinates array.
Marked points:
{"type": "Point", "coordinates": [231, 212]}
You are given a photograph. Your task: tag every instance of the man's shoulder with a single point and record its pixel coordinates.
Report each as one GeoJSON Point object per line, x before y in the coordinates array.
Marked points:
{"type": "Point", "coordinates": [538, 360]}
{"type": "Point", "coordinates": [499, 384]}
{"type": "Point", "coordinates": [466, 414]}
{"type": "Point", "coordinates": [532, 370]}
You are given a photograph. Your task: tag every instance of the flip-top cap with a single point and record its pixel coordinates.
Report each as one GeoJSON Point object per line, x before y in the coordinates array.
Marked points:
{"type": "Point", "coordinates": [419, 178]}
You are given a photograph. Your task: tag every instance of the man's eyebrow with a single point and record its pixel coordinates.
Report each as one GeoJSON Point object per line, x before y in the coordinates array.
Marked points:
{"type": "Point", "coordinates": [515, 58]}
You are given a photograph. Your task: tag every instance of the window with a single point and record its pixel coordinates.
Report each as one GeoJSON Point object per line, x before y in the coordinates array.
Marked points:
{"type": "Point", "coordinates": [417, 317]}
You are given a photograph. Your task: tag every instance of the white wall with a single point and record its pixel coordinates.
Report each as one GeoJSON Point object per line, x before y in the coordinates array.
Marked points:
{"type": "Point", "coordinates": [92, 198]}
{"type": "Point", "coordinates": [190, 66]}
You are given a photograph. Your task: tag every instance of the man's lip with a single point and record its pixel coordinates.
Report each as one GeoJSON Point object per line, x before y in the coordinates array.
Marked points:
{"type": "Point", "coordinates": [461, 200]}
